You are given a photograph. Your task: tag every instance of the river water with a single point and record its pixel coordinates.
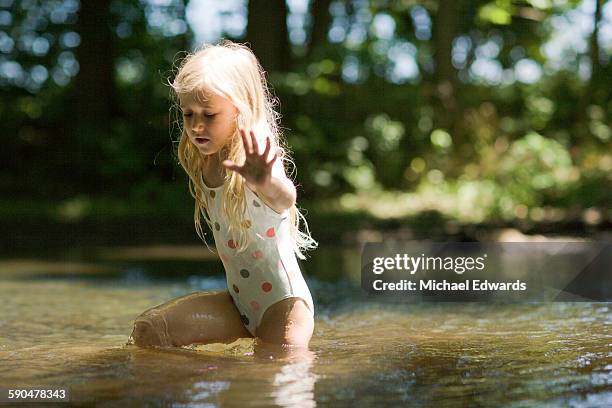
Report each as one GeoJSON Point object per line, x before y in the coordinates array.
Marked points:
{"type": "Point", "coordinates": [66, 319]}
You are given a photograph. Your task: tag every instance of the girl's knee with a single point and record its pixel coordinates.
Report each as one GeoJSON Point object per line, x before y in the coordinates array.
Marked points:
{"type": "Point", "coordinates": [299, 333]}
{"type": "Point", "coordinates": [150, 329]}
{"type": "Point", "coordinates": [287, 322]}
{"type": "Point", "coordinates": [288, 334]}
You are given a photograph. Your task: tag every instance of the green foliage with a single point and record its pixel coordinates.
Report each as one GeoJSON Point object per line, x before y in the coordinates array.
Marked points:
{"type": "Point", "coordinates": [534, 171]}
{"type": "Point", "coordinates": [497, 12]}
{"type": "Point", "coordinates": [353, 124]}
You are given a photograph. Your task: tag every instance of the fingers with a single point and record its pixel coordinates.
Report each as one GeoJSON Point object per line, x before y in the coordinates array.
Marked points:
{"type": "Point", "coordinates": [255, 146]}
{"type": "Point", "coordinates": [251, 147]}
{"type": "Point", "coordinates": [267, 149]}
{"type": "Point", "coordinates": [248, 149]}
{"type": "Point", "coordinates": [250, 143]}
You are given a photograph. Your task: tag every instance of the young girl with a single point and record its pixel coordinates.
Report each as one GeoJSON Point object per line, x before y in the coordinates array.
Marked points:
{"type": "Point", "coordinates": [230, 146]}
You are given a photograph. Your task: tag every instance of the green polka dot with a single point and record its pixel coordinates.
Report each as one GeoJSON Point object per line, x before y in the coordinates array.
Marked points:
{"type": "Point", "coordinates": [244, 273]}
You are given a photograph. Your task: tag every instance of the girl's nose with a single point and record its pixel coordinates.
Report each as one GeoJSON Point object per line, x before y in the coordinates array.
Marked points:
{"type": "Point", "coordinates": [198, 126]}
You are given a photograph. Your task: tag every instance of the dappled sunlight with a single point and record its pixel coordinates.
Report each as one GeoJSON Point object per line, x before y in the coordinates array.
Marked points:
{"type": "Point", "coordinates": [465, 208]}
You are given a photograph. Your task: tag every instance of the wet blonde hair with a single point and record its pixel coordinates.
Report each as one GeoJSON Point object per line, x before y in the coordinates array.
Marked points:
{"type": "Point", "coordinates": [232, 71]}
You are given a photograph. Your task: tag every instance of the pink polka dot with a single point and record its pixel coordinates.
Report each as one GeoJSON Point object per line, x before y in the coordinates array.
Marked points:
{"type": "Point", "coordinates": [270, 232]}
{"type": "Point", "coordinates": [279, 264]}
{"type": "Point", "coordinates": [254, 305]}
{"type": "Point", "coordinates": [257, 254]}
{"type": "Point", "coordinates": [231, 243]}
{"type": "Point", "coordinates": [266, 286]}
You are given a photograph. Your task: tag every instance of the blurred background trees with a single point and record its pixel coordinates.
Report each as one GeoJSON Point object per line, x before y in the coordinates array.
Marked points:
{"type": "Point", "coordinates": [479, 110]}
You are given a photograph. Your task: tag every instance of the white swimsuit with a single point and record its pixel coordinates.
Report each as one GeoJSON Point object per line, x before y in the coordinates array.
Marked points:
{"type": "Point", "coordinates": [267, 271]}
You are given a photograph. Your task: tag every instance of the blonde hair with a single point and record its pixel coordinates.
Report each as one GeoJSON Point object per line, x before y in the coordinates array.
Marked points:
{"type": "Point", "coordinates": [232, 71]}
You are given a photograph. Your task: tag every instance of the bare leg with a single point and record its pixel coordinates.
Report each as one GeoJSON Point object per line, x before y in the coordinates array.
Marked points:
{"type": "Point", "coordinates": [288, 321]}
{"type": "Point", "coordinates": [197, 318]}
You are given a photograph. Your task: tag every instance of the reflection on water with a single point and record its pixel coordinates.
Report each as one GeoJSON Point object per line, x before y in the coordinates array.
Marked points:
{"type": "Point", "coordinates": [295, 384]}
{"type": "Point", "coordinates": [65, 323]}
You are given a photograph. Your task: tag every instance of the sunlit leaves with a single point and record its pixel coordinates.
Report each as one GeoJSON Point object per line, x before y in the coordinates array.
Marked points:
{"type": "Point", "coordinates": [496, 12]}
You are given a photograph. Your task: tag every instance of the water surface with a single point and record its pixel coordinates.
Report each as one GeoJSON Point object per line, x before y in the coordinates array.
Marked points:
{"type": "Point", "coordinates": [66, 319]}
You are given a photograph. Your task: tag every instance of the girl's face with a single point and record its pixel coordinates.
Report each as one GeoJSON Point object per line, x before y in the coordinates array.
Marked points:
{"type": "Point", "coordinates": [209, 125]}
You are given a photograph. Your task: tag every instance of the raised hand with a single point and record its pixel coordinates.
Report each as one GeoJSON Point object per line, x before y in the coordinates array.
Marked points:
{"type": "Point", "coordinates": [257, 169]}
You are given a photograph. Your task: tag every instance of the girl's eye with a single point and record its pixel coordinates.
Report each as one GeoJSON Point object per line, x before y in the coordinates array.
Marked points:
{"type": "Point", "coordinates": [207, 115]}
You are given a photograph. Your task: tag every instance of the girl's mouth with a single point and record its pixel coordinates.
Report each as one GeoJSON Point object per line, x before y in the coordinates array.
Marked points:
{"type": "Point", "coordinates": [201, 140]}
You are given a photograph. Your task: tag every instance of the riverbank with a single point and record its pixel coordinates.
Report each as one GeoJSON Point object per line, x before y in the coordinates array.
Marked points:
{"type": "Point", "coordinates": [39, 226]}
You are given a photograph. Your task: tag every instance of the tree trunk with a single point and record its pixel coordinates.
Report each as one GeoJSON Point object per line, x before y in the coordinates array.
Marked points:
{"type": "Point", "coordinates": [267, 34]}
{"type": "Point", "coordinates": [94, 83]}
{"type": "Point", "coordinates": [445, 77]}
{"type": "Point", "coordinates": [94, 91]}
{"type": "Point", "coordinates": [321, 18]}
{"type": "Point", "coordinates": [596, 68]}
{"type": "Point", "coordinates": [586, 96]}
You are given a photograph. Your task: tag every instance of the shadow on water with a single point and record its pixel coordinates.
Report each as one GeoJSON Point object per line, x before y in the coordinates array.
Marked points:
{"type": "Point", "coordinates": [66, 321]}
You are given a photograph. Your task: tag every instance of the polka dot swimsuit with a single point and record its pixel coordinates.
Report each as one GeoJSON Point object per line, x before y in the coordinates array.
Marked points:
{"type": "Point", "coordinates": [268, 271]}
